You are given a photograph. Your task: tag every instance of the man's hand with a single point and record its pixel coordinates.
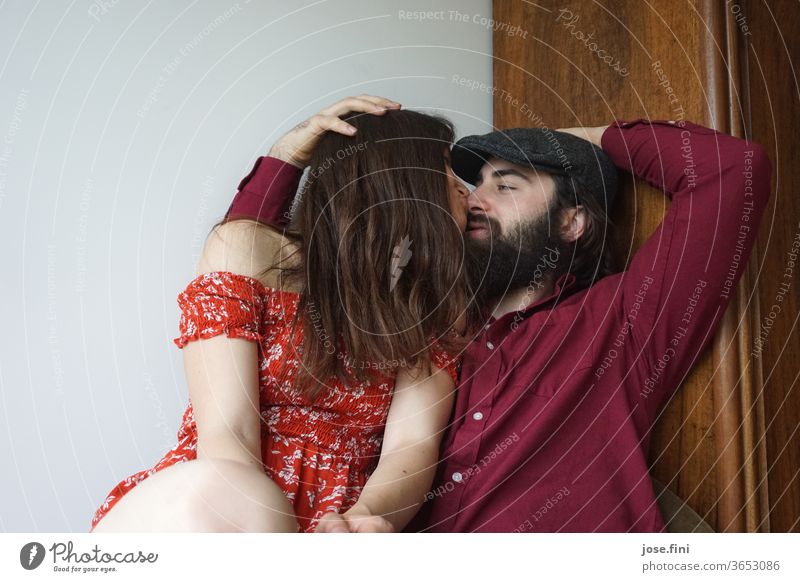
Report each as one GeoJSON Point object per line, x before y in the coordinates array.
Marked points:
{"type": "Point", "coordinates": [298, 144]}
{"type": "Point", "coordinates": [353, 521]}
{"type": "Point", "coordinates": [592, 134]}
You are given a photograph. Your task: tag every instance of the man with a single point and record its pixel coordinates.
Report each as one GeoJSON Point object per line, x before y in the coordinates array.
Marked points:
{"type": "Point", "coordinates": [559, 391]}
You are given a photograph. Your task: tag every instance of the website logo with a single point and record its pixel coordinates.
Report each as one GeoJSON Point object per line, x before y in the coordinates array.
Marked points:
{"type": "Point", "coordinates": [31, 555]}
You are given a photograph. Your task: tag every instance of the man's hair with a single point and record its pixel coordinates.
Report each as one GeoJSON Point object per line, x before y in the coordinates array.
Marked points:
{"type": "Point", "coordinates": [592, 256]}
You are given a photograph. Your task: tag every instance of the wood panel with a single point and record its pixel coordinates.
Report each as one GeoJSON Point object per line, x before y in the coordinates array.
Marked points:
{"type": "Point", "coordinates": [772, 66]}
{"type": "Point", "coordinates": [588, 63]}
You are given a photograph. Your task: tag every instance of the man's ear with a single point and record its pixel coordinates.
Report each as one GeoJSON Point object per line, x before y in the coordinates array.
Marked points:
{"type": "Point", "coordinates": [573, 223]}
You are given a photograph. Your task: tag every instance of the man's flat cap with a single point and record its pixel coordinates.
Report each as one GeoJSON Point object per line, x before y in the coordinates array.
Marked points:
{"type": "Point", "coordinates": [544, 149]}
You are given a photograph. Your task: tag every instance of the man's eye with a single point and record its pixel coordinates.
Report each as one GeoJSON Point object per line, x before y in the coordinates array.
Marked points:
{"type": "Point", "coordinates": [504, 187]}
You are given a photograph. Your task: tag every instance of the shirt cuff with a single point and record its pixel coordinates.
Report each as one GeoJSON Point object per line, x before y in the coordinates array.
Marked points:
{"type": "Point", "coordinates": [612, 141]}
{"type": "Point", "coordinates": [267, 192]}
{"type": "Point", "coordinates": [266, 172]}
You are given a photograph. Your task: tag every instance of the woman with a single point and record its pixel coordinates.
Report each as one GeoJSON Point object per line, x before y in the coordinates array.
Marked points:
{"type": "Point", "coordinates": [327, 355]}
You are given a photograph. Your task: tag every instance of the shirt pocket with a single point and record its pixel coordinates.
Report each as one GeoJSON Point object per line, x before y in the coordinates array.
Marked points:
{"type": "Point", "coordinates": [567, 369]}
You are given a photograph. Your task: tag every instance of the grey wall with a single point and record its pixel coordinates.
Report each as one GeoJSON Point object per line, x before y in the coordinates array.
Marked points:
{"type": "Point", "coordinates": [124, 129]}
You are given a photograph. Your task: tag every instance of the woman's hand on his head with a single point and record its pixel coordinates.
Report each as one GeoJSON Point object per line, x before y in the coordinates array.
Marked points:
{"type": "Point", "coordinates": [297, 145]}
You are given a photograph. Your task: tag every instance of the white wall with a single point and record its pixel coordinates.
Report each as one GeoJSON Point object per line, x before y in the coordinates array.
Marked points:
{"type": "Point", "coordinates": [124, 129]}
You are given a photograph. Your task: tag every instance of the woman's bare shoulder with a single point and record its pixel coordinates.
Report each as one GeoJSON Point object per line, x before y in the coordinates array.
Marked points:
{"type": "Point", "coordinates": [249, 248]}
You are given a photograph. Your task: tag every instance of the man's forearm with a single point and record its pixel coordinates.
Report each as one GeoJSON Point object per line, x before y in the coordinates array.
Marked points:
{"type": "Point", "coordinates": [680, 157]}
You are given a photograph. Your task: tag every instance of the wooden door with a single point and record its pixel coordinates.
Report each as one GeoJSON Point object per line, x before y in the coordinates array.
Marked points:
{"type": "Point", "coordinates": [728, 442]}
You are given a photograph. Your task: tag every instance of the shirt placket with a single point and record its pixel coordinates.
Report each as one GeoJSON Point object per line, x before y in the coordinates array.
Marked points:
{"type": "Point", "coordinates": [466, 447]}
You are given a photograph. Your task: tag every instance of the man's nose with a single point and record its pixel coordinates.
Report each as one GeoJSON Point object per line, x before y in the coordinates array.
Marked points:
{"type": "Point", "coordinates": [476, 201]}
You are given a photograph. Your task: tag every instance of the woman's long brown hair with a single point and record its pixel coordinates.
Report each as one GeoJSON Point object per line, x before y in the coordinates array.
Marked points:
{"type": "Point", "coordinates": [381, 257]}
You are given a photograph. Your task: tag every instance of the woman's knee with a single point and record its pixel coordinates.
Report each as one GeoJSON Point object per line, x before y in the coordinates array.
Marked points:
{"type": "Point", "coordinates": [228, 496]}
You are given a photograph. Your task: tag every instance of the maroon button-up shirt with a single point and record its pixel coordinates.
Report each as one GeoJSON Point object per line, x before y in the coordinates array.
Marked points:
{"type": "Point", "coordinates": [555, 403]}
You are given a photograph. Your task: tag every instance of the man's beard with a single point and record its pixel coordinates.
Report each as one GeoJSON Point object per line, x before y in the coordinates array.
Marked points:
{"type": "Point", "coordinates": [531, 255]}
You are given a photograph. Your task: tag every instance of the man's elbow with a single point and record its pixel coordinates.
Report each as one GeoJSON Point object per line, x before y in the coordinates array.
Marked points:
{"type": "Point", "coordinates": [761, 164]}
{"type": "Point", "coordinates": [749, 171]}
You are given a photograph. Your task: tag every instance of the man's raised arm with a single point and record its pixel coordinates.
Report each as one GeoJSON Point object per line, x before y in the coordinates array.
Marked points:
{"type": "Point", "coordinates": [685, 274]}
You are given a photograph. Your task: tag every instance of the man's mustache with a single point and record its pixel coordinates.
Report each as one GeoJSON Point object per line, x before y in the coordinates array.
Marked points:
{"type": "Point", "coordinates": [481, 220]}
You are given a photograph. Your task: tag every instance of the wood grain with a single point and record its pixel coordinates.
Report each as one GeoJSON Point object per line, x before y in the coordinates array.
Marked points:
{"type": "Point", "coordinates": [728, 441]}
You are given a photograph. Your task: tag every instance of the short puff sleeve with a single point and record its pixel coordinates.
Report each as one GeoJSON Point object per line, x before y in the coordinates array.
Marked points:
{"type": "Point", "coordinates": [221, 302]}
{"type": "Point", "coordinates": [446, 361]}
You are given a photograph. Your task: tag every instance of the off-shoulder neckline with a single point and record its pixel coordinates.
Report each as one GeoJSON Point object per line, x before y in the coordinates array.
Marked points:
{"type": "Point", "coordinates": [250, 279]}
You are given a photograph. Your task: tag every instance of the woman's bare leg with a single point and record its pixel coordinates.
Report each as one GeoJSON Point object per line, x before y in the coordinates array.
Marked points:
{"type": "Point", "coordinates": [207, 495]}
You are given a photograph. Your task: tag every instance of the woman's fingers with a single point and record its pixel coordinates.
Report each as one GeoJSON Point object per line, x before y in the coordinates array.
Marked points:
{"type": "Point", "coordinates": [371, 524]}
{"type": "Point", "coordinates": [362, 103]}
{"type": "Point", "coordinates": [297, 146]}
{"type": "Point", "coordinates": [323, 123]}
{"type": "Point", "coordinates": [332, 522]}
{"type": "Point", "coordinates": [381, 102]}
{"type": "Point", "coordinates": [329, 118]}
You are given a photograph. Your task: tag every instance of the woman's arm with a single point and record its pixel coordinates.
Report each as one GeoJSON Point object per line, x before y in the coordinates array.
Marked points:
{"type": "Point", "coordinates": [395, 491]}
{"type": "Point", "coordinates": [222, 372]}
{"type": "Point", "coordinates": [266, 193]}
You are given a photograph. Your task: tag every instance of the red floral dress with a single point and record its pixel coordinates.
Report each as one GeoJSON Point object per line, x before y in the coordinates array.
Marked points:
{"type": "Point", "coordinates": [320, 454]}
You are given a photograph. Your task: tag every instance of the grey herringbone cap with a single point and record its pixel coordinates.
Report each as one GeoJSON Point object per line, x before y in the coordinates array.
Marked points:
{"type": "Point", "coordinates": [544, 149]}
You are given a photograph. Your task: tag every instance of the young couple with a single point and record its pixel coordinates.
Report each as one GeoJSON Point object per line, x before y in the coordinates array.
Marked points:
{"type": "Point", "coordinates": [407, 354]}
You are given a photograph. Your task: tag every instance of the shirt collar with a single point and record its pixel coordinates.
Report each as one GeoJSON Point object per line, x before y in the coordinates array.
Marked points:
{"type": "Point", "coordinates": [564, 282]}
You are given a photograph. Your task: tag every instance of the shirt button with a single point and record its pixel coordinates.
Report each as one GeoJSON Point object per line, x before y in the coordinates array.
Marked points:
{"type": "Point", "coordinates": [490, 345]}
{"type": "Point", "coordinates": [478, 416]}
{"type": "Point", "coordinates": [457, 477]}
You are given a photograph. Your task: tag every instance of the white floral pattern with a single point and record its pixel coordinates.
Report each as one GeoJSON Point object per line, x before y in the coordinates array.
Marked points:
{"type": "Point", "coordinates": [320, 454]}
